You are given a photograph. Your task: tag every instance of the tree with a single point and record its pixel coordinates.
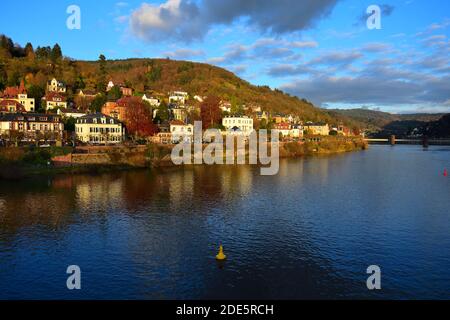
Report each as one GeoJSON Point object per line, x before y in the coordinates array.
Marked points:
{"type": "Point", "coordinates": [162, 112]}
{"type": "Point", "coordinates": [210, 112]}
{"type": "Point", "coordinates": [97, 103]}
{"type": "Point", "coordinates": [56, 53]}
{"type": "Point", "coordinates": [69, 124]}
{"type": "Point", "coordinates": [37, 93]}
{"type": "Point", "coordinates": [29, 51]}
{"type": "Point", "coordinates": [115, 93]}
{"type": "Point", "coordinates": [101, 79]}
{"type": "Point", "coordinates": [138, 118]}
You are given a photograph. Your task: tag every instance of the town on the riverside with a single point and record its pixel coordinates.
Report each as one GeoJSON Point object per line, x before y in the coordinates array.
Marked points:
{"type": "Point", "coordinates": [127, 116]}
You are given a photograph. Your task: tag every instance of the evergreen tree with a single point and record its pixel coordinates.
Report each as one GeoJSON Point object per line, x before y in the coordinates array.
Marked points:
{"type": "Point", "coordinates": [56, 53]}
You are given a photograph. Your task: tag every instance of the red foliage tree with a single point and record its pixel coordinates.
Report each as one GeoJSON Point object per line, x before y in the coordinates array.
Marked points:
{"type": "Point", "coordinates": [138, 118]}
{"type": "Point", "coordinates": [210, 112]}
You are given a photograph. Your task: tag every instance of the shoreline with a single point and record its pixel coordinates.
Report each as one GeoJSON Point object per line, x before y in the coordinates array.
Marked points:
{"type": "Point", "coordinates": [152, 157]}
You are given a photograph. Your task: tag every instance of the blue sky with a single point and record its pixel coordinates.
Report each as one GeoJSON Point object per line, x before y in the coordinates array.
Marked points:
{"type": "Point", "coordinates": [321, 50]}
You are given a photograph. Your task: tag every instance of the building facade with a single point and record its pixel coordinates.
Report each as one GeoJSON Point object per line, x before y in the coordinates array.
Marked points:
{"type": "Point", "coordinates": [181, 132]}
{"type": "Point", "coordinates": [20, 95]}
{"type": "Point", "coordinates": [56, 86]}
{"type": "Point", "coordinates": [55, 100]}
{"type": "Point", "coordinates": [99, 129]}
{"type": "Point", "coordinates": [32, 124]}
{"type": "Point", "coordinates": [238, 125]}
{"type": "Point", "coordinates": [317, 129]}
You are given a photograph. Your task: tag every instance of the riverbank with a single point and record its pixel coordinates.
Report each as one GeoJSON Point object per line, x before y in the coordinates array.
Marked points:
{"type": "Point", "coordinates": [17, 163]}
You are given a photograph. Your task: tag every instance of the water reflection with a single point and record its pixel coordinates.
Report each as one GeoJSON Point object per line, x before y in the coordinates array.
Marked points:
{"type": "Point", "coordinates": [309, 232]}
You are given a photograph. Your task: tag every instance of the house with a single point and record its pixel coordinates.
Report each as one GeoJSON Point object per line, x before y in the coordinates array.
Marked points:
{"type": "Point", "coordinates": [225, 106]}
{"type": "Point", "coordinates": [110, 85]}
{"type": "Point", "coordinates": [199, 98]}
{"type": "Point", "coordinates": [283, 128]}
{"type": "Point", "coordinates": [317, 129]}
{"type": "Point", "coordinates": [112, 109]}
{"type": "Point", "coordinates": [55, 100]}
{"type": "Point", "coordinates": [279, 118]}
{"type": "Point", "coordinates": [99, 129]}
{"type": "Point", "coordinates": [90, 94]}
{"type": "Point", "coordinates": [238, 125]}
{"type": "Point", "coordinates": [32, 124]}
{"type": "Point", "coordinates": [164, 135]}
{"type": "Point", "coordinates": [262, 115]}
{"type": "Point", "coordinates": [296, 131]}
{"type": "Point", "coordinates": [179, 97]}
{"type": "Point", "coordinates": [181, 132]}
{"type": "Point", "coordinates": [179, 114]}
{"type": "Point", "coordinates": [11, 106]}
{"type": "Point", "coordinates": [118, 109]}
{"type": "Point", "coordinates": [154, 102]}
{"type": "Point", "coordinates": [125, 91]}
{"type": "Point", "coordinates": [56, 86]}
{"type": "Point", "coordinates": [20, 95]}
{"type": "Point", "coordinates": [70, 113]}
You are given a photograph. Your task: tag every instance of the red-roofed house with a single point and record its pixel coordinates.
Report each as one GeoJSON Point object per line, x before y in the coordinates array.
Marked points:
{"type": "Point", "coordinates": [55, 100]}
{"type": "Point", "coordinates": [19, 94]}
{"type": "Point", "coordinates": [11, 106]}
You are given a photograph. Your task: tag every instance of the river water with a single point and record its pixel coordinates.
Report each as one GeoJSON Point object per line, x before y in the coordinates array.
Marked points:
{"type": "Point", "coordinates": [309, 232]}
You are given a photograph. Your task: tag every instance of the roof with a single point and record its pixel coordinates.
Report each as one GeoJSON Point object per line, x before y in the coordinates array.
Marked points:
{"type": "Point", "coordinates": [177, 123]}
{"type": "Point", "coordinates": [30, 117]}
{"type": "Point", "coordinates": [7, 102]}
{"type": "Point", "coordinates": [52, 95]}
{"type": "Point", "coordinates": [315, 124]}
{"type": "Point", "coordinates": [88, 92]}
{"type": "Point", "coordinates": [13, 92]}
{"type": "Point", "coordinates": [70, 110]}
{"type": "Point", "coordinates": [60, 83]}
{"type": "Point", "coordinates": [89, 118]}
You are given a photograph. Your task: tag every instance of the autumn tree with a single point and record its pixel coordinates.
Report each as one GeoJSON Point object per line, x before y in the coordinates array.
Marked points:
{"type": "Point", "coordinates": [211, 114]}
{"type": "Point", "coordinates": [138, 118]}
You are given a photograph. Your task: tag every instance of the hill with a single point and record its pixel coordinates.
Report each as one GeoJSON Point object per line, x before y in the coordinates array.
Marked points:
{"type": "Point", "coordinates": [158, 76]}
{"type": "Point", "coordinates": [383, 124]}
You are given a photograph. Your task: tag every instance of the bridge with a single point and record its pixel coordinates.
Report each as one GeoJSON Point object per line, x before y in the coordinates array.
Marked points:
{"type": "Point", "coordinates": [425, 141]}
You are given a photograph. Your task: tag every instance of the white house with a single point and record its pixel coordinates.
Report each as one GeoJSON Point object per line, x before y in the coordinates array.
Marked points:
{"type": "Point", "coordinates": [99, 129]}
{"type": "Point", "coordinates": [178, 97]}
{"type": "Point", "coordinates": [181, 132]}
{"type": "Point", "coordinates": [235, 125]}
{"type": "Point", "coordinates": [154, 102]}
{"type": "Point", "coordinates": [70, 113]}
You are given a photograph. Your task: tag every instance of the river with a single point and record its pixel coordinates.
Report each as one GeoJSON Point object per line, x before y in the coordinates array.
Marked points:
{"type": "Point", "coordinates": [309, 232]}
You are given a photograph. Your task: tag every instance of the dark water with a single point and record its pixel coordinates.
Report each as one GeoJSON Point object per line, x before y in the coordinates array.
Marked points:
{"type": "Point", "coordinates": [310, 232]}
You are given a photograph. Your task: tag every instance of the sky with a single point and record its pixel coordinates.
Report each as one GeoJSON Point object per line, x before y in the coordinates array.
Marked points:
{"type": "Point", "coordinates": [321, 50]}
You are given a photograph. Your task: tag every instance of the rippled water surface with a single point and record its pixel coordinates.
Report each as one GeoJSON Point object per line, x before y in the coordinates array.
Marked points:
{"type": "Point", "coordinates": [309, 232]}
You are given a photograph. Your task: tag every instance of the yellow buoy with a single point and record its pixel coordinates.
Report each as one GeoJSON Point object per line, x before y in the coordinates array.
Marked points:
{"type": "Point", "coordinates": [221, 255]}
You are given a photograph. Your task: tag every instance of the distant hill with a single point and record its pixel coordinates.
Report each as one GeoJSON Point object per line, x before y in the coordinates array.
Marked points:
{"type": "Point", "coordinates": [380, 123]}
